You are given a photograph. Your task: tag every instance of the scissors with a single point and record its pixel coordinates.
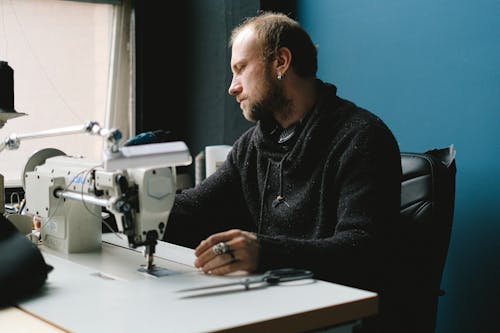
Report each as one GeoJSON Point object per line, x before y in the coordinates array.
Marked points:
{"type": "Point", "coordinates": [271, 277]}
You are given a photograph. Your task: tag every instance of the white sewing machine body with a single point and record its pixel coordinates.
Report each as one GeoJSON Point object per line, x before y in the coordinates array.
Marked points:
{"type": "Point", "coordinates": [63, 172]}
{"type": "Point", "coordinates": [75, 225]}
{"type": "Point", "coordinates": [136, 184]}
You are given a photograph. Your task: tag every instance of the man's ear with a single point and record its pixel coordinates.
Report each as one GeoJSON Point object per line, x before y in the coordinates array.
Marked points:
{"type": "Point", "coordinates": [283, 59]}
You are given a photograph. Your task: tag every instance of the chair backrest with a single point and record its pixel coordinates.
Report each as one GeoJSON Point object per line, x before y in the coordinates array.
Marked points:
{"type": "Point", "coordinates": [427, 206]}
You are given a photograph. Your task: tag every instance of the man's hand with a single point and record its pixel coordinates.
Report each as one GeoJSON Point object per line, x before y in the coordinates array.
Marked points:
{"type": "Point", "coordinates": [242, 253]}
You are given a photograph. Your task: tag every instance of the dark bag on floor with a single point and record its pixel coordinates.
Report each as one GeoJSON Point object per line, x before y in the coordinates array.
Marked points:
{"type": "Point", "coordinates": [23, 270]}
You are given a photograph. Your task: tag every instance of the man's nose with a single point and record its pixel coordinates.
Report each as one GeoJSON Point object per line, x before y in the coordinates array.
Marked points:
{"type": "Point", "coordinates": [234, 88]}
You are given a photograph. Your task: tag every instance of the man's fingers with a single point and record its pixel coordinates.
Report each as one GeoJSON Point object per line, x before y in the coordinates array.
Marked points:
{"type": "Point", "coordinates": [222, 263]}
{"type": "Point", "coordinates": [239, 252]}
{"type": "Point", "coordinates": [214, 239]}
{"type": "Point", "coordinates": [226, 269]}
{"type": "Point", "coordinates": [208, 255]}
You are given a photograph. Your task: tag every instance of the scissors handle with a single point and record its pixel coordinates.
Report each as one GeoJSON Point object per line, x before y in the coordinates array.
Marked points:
{"type": "Point", "coordinates": [275, 276]}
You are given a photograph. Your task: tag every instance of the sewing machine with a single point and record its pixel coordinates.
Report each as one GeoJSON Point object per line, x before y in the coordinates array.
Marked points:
{"type": "Point", "coordinates": [136, 184]}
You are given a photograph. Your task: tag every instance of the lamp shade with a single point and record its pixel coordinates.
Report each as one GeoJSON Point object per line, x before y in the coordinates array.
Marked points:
{"type": "Point", "coordinates": [7, 110]}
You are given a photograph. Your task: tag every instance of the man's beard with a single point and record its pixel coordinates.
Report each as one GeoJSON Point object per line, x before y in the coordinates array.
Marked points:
{"type": "Point", "coordinates": [273, 102]}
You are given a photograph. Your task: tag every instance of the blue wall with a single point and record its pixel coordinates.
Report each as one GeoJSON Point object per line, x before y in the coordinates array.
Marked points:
{"type": "Point", "coordinates": [431, 70]}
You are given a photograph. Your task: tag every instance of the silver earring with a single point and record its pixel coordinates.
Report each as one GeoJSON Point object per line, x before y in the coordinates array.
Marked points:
{"type": "Point", "coordinates": [280, 76]}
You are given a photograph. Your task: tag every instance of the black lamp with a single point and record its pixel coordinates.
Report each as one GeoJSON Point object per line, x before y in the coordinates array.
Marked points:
{"type": "Point", "coordinates": [7, 110]}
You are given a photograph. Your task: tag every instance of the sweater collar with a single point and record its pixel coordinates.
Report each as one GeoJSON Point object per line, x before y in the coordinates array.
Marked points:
{"type": "Point", "coordinates": [267, 137]}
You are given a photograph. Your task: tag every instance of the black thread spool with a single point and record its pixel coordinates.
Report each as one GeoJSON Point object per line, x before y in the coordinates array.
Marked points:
{"type": "Point", "coordinates": [6, 87]}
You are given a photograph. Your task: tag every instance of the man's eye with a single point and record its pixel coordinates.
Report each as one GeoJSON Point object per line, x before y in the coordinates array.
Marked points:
{"type": "Point", "coordinates": [238, 69]}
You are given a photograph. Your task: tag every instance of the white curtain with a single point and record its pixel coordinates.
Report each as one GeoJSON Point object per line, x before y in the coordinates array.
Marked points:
{"type": "Point", "coordinates": [120, 111]}
{"type": "Point", "coordinates": [72, 63]}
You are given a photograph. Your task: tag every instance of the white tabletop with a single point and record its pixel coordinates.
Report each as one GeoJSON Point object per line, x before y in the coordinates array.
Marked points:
{"type": "Point", "coordinates": [104, 292]}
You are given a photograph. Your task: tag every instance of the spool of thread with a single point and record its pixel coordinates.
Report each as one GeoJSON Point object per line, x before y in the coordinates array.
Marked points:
{"type": "Point", "coordinates": [6, 87]}
{"type": "Point", "coordinates": [37, 223]}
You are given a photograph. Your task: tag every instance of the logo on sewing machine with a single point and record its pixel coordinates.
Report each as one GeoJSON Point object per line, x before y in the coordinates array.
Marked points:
{"type": "Point", "coordinates": [78, 180]}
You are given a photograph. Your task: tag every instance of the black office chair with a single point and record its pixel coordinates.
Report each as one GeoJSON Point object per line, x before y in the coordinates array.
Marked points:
{"type": "Point", "coordinates": [427, 205]}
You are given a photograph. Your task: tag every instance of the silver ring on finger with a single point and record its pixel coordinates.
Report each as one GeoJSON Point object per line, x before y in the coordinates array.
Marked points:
{"type": "Point", "coordinates": [220, 248]}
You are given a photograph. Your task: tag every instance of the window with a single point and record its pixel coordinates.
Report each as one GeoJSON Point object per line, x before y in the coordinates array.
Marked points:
{"type": "Point", "coordinates": [70, 65]}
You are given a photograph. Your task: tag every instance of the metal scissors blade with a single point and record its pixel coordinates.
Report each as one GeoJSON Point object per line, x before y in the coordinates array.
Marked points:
{"type": "Point", "coordinates": [270, 277]}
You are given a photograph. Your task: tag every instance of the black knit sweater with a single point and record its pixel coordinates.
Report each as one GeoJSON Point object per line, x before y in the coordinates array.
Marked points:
{"type": "Point", "coordinates": [340, 181]}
